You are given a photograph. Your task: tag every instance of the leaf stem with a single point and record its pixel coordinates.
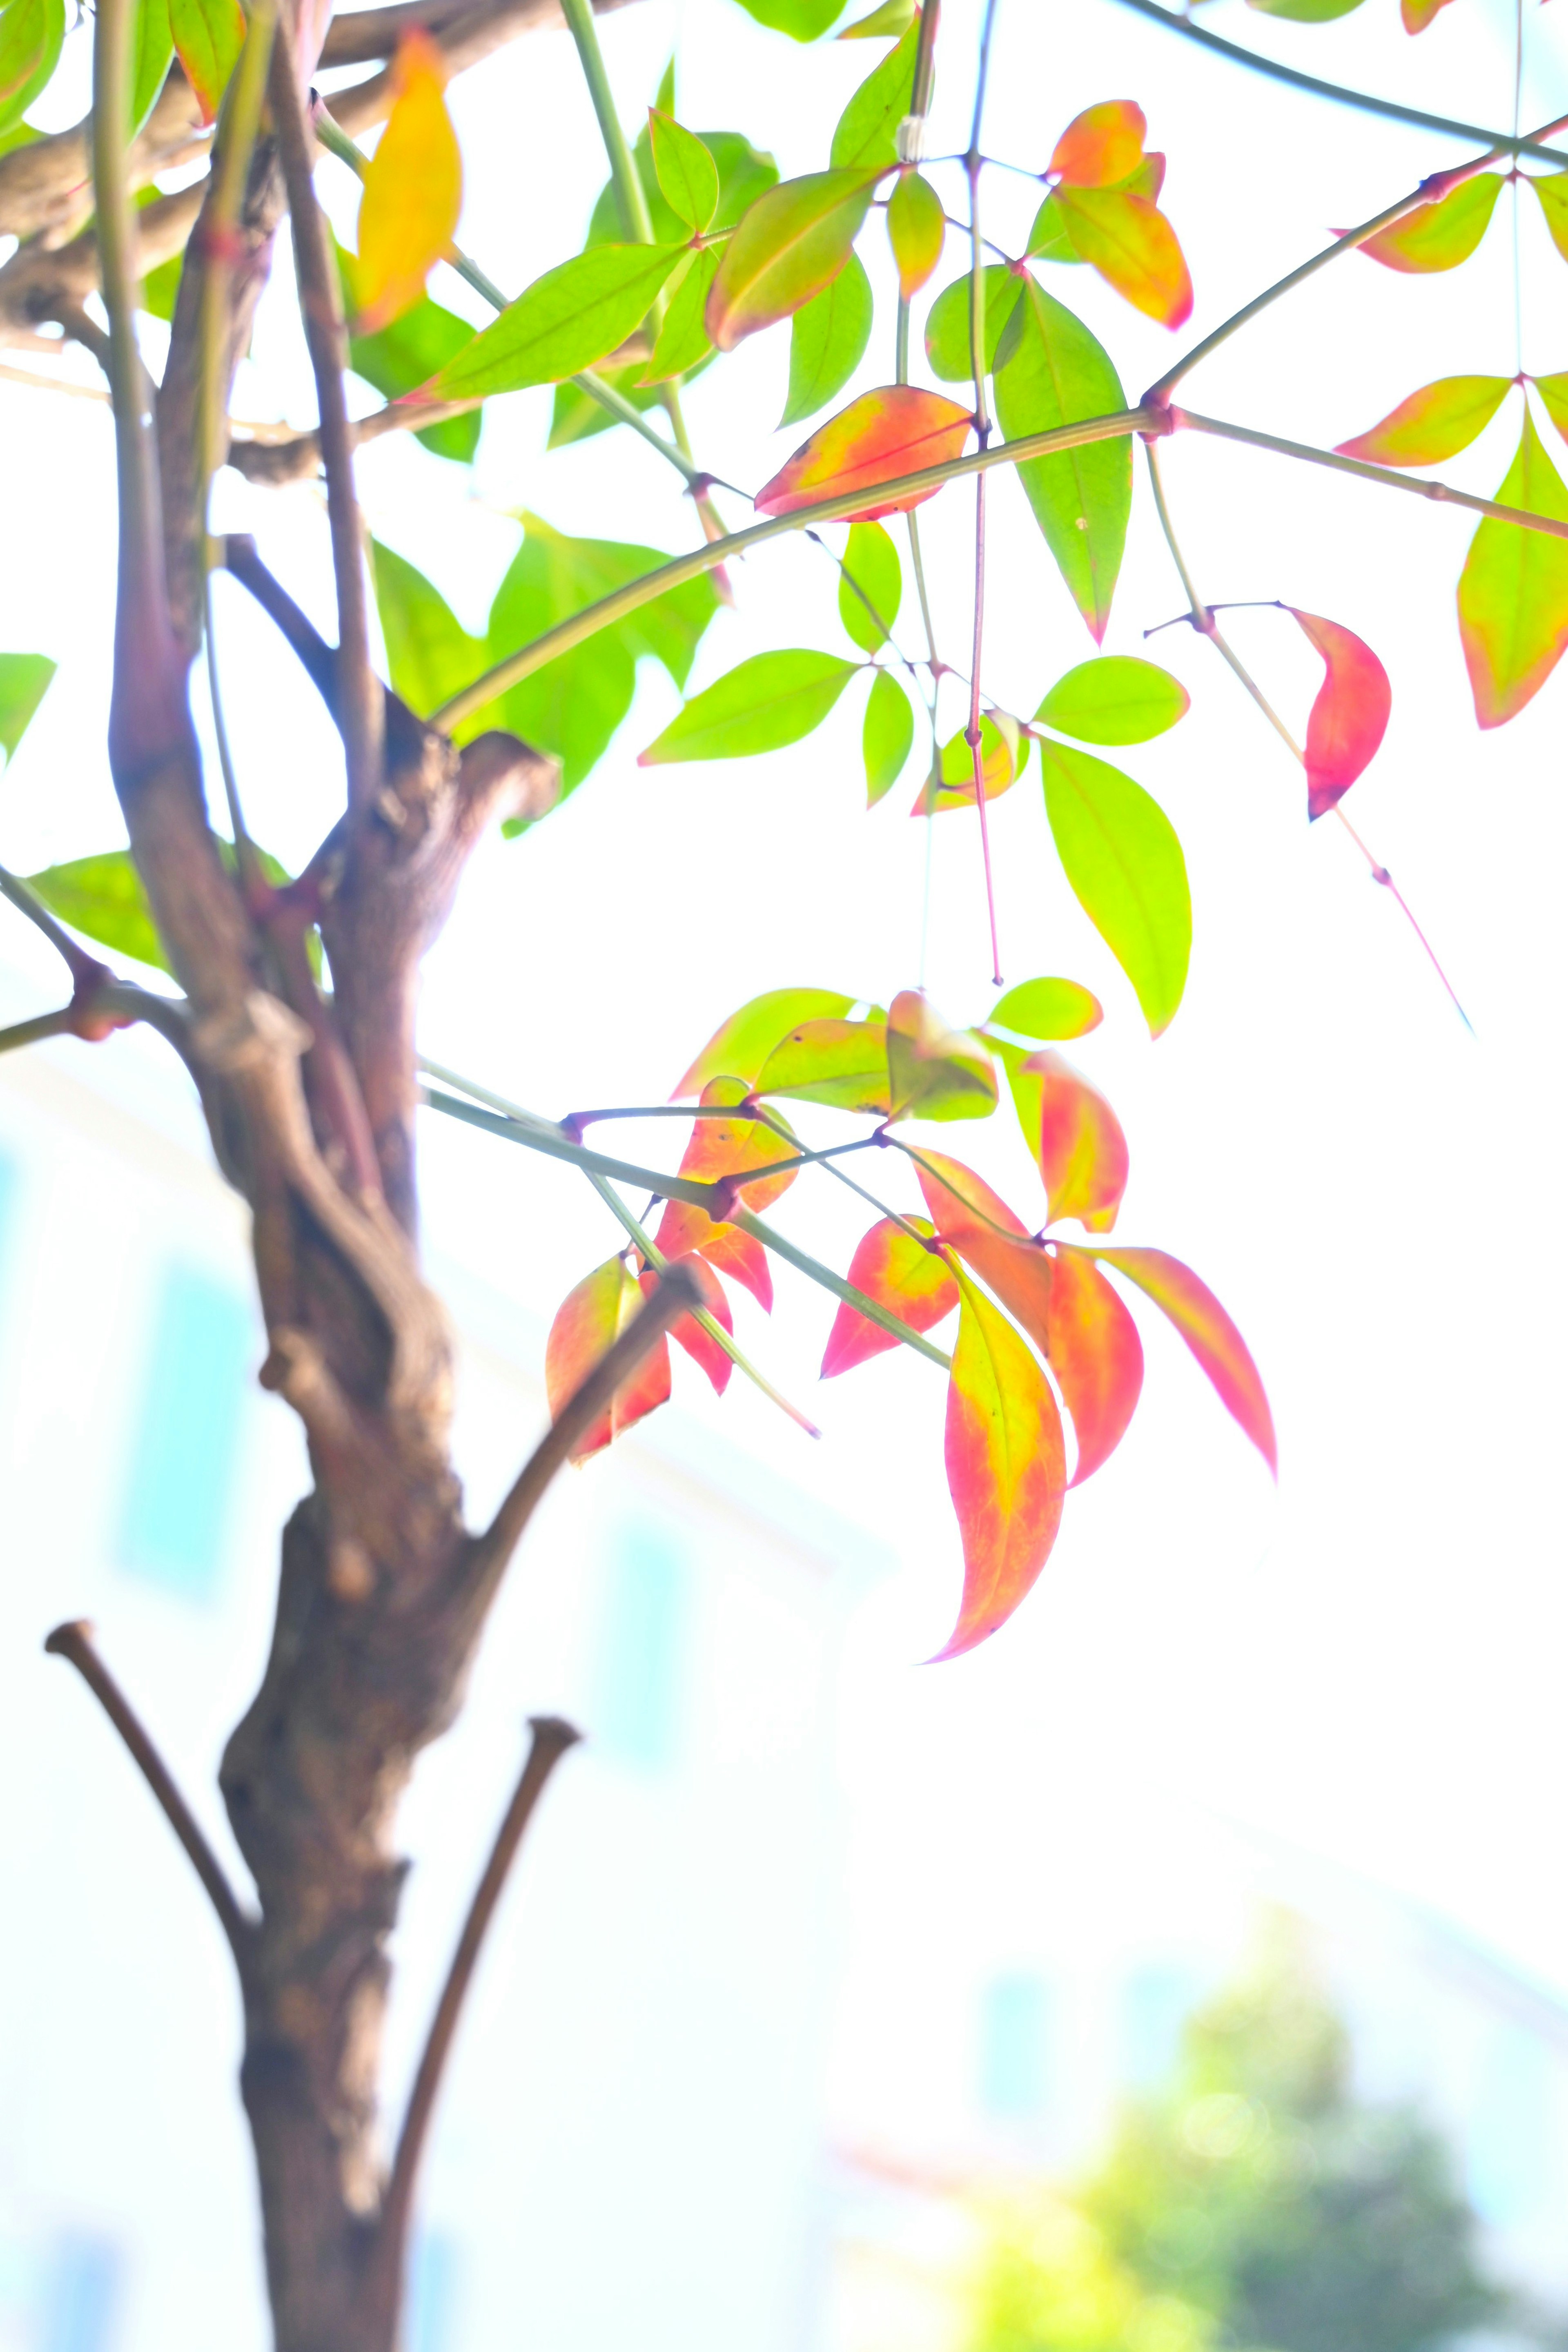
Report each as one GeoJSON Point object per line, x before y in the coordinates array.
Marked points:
{"type": "Point", "coordinates": [859, 1299]}
{"type": "Point", "coordinates": [84, 969]}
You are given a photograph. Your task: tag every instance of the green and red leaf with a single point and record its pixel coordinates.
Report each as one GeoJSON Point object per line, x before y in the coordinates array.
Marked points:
{"type": "Point", "coordinates": [1082, 1150]}
{"type": "Point", "coordinates": [933, 1071]}
{"type": "Point", "coordinates": [208, 37]}
{"type": "Point", "coordinates": [1007, 1468]}
{"type": "Point", "coordinates": [1434, 423]}
{"type": "Point", "coordinates": [894, 1267]}
{"type": "Point", "coordinates": [1093, 1349]}
{"type": "Point", "coordinates": [984, 1230]}
{"type": "Point", "coordinates": [840, 1063]}
{"type": "Point", "coordinates": [1513, 589]}
{"type": "Point", "coordinates": [953, 787]}
{"type": "Point", "coordinates": [789, 244]}
{"type": "Point", "coordinates": [587, 1324]}
{"type": "Point", "coordinates": [1103, 145]}
{"type": "Point", "coordinates": [1350, 715]}
{"type": "Point", "coordinates": [688, 1333]}
{"type": "Point", "coordinates": [1208, 1331]}
{"type": "Point", "coordinates": [916, 229]}
{"type": "Point", "coordinates": [720, 1148]}
{"type": "Point", "coordinates": [1132, 245]}
{"type": "Point", "coordinates": [1440, 235]}
{"type": "Point", "coordinates": [878, 437]}
{"type": "Point", "coordinates": [740, 1045]}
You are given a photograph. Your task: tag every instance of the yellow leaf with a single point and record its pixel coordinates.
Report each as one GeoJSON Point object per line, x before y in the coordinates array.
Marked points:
{"type": "Point", "coordinates": [413, 191]}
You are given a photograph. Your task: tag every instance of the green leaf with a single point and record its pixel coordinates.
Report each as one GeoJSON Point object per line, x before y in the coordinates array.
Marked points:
{"type": "Point", "coordinates": [31, 34]}
{"type": "Point", "coordinates": [1050, 371]}
{"type": "Point", "coordinates": [209, 36]}
{"type": "Point", "coordinates": [916, 230]}
{"type": "Point", "coordinates": [1049, 239]}
{"type": "Point", "coordinates": [1116, 700]}
{"type": "Point", "coordinates": [1306, 12]}
{"type": "Point", "coordinates": [686, 172]}
{"type": "Point", "coordinates": [933, 1071]}
{"type": "Point", "coordinates": [1048, 1010]}
{"type": "Point", "coordinates": [842, 1064]}
{"type": "Point", "coordinates": [739, 1047]}
{"type": "Point", "coordinates": [768, 702]}
{"type": "Point", "coordinates": [151, 58]}
{"type": "Point", "coordinates": [23, 682]}
{"type": "Point", "coordinates": [743, 171]}
{"type": "Point", "coordinates": [870, 586]}
{"type": "Point", "coordinates": [947, 345]}
{"type": "Point", "coordinates": [430, 653]}
{"type": "Point", "coordinates": [1513, 589]}
{"type": "Point", "coordinates": [569, 319]}
{"type": "Point", "coordinates": [886, 736]}
{"type": "Point", "coordinates": [1121, 857]}
{"type": "Point", "coordinates": [685, 343]}
{"type": "Point", "coordinates": [1004, 755]}
{"type": "Point", "coordinates": [102, 897]}
{"type": "Point", "coordinates": [406, 354]}
{"type": "Point", "coordinates": [868, 127]}
{"type": "Point", "coordinates": [827, 341]}
{"type": "Point", "coordinates": [576, 415]}
{"type": "Point", "coordinates": [793, 241]}
{"type": "Point", "coordinates": [892, 17]}
{"type": "Point", "coordinates": [802, 19]}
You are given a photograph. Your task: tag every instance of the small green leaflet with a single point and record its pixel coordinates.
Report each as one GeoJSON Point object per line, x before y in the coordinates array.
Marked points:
{"type": "Point", "coordinates": [430, 655]}
{"type": "Point", "coordinates": [1116, 700]}
{"type": "Point", "coordinates": [743, 171]}
{"type": "Point", "coordinates": [687, 174]}
{"type": "Point", "coordinates": [1048, 239]}
{"type": "Point", "coordinates": [684, 341]}
{"type": "Point", "coordinates": [887, 735]}
{"type": "Point", "coordinates": [569, 319]}
{"type": "Point", "coordinates": [23, 682]}
{"type": "Point", "coordinates": [948, 328]}
{"type": "Point", "coordinates": [870, 586]}
{"type": "Point", "coordinates": [803, 20]}
{"type": "Point", "coordinates": [868, 128]}
{"type": "Point", "coordinates": [827, 341]}
{"type": "Point", "coordinates": [740, 1045]}
{"type": "Point", "coordinates": [1050, 371]}
{"type": "Point", "coordinates": [1513, 589]}
{"type": "Point", "coordinates": [1047, 1009]}
{"type": "Point", "coordinates": [1121, 855]}
{"type": "Point", "coordinates": [102, 897]}
{"type": "Point", "coordinates": [768, 702]}
{"type": "Point", "coordinates": [893, 17]}
{"type": "Point", "coordinates": [209, 36]}
{"type": "Point", "coordinates": [31, 34]}
{"type": "Point", "coordinates": [152, 57]}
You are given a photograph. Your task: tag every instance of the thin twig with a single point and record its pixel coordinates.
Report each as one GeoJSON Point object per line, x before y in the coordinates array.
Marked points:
{"type": "Point", "coordinates": [34, 1031]}
{"type": "Point", "coordinates": [75, 1643]}
{"type": "Point", "coordinates": [548, 1138]}
{"type": "Point", "coordinates": [973, 162]}
{"type": "Point", "coordinates": [85, 969]}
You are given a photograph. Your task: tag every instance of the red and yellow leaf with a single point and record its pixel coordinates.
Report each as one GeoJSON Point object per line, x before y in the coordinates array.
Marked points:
{"type": "Point", "coordinates": [1094, 1347]}
{"type": "Point", "coordinates": [1434, 425]}
{"type": "Point", "coordinates": [1132, 245]}
{"type": "Point", "coordinates": [1208, 1331]}
{"type": "Point", "coordinates": [1439, 236]}
{"type": "Point", "coordinates": [1513, 589]}
{"type": "Point", "coordinates": [881, 435]}
{"type": "Point", "coordinates": [988, 1236]}
{"type": "Point", "coordinates": [1101, 146]}
{"type": "Point", "coordinates": [412, 189]}
{"type": "Point", "coordinates": [744, 1259]}
{"type": "Point", "coordinates": [719, 1148]}
{"type": "Point", "coordinates": [789, 244]}
{"type": "Point", "coordinates": [1081, 1148]}
{"type": "Point", "coordinates": [1007, 1468]}
{"type": "Point", "coordinates": [933, 1071]}
{"type": "Point", "coordinates": [688, 1333]}
{"type": "Point", "coordinates": [1002, 757]}
{"type": "Point", "coordinates": [894, 1267]}
{"type": "Point", "coordinates": [917, 227]}
{"type": "Point", "coordinates": [1350, 715]}
{"type": "Point", "coordinates": [587, 1323]}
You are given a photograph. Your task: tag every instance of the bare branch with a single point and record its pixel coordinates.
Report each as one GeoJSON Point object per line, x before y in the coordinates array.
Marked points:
{"type": "Point", "coordinates": [319, 659]}
{"type": "Point", "coordinates": [86, 971]}
{"type": "Point", "coordinates": [297, 458]}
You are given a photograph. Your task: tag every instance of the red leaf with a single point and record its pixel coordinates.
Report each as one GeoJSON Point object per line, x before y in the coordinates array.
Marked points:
{"type": "Point", "coordinates": [688, 1333]}
{"type": "Point", "coordinates": [588, 1321]}
{"type": "Point", "coordinates": [1096, 1355]}
{"type": "Point", "coordinates": [1007, 1468]}
{"type": "Point", "coordinates": [899, 1272]}
{"type": "Point", "coordinates": [1081, 1149]}
{"type": "Point", "coordinates": [727, 1146]}
{"type": "Point", "coordinates": [986, 1234]}
{"type": "Point", "coordinates": [1350, 716]}
{"type": "Point", "coordinates": [881, 435]}
{"type": "Point", "coordinates": [1208, 1331]}
{"type": "Point", "coordinates": [744, 1260]}
{"type": "Point", "coordinates": [1101, 146]}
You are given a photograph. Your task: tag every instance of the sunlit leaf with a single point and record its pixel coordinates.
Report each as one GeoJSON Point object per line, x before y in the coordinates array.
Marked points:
{"type": "Point", "coordinates": [1116, 700]}
{"type": "Point", "coordinates": [1082, 1150]}
{"type": "Point", "coordinates": [1417, 14]}
{"type": "Point", "coordinates": [916, 229]}
{"type": "Point", "coordinates": [430, 653]}
{"type": "Point", "coordinates": [1350, 715]}
{"type": "Point", "coordinates": [877, 438]}
{"type": "Point", "coordinates": [1440, 235]}
{"type": "Point", "coordinates": [1000, 767]}
{"type": "Point", "coordinates": [867, 133]}
{"type": "Point", "coordinates": [743, 171]}
{"type": "Point", "coordinates": [1132, 245]}
{"type": "Point", "coordinates": [803, 20]}
{"type": "Point", "coordinates": [1553, 391]}
{"type": "Point", "coordinates": [892, 18]}
{"type": "Point", "coordinates": [1047, 1009]}
{"type": "Point", "coordinates": [683, 341]}
{"type": "Point", "coordinates": [1433, 423]}
{"type": "Point", "coordinates": [948, 343]}
{"type": "Point", "coordinates": [685, 171]}
{"type": "Point", "coordinates": [1048, 239]}
{"type": "Point", "coordinates": [1552, 190]}
{"type": "Point", "coordinates": [406, 354]}
{"type": "Point", "coordinates": [209, 36]}
{"type": "Point", "coordinates": [587, 1324]}
{"type": "Point", "coordinates": [894, 1267]}
{"type": "Point", "coordinates": [935, 1072]}
{"type": "Point", "coordinates": [739, 1047]}
{"type": "Point", "coordinates": [887, 735]}
{"type": "Point", "coordinates": [688, 1333]}
{"type": "Point", "coordinates": [31, 35]}
{"type": "Point", "coordinates": [1513, 589]}
{"type": "Point", "coordinates": [827, 341]}
{"type": "Point", "coordinates": [102, 897]}
{"type": "Point", "coordinates": [840, 1063]}
{"type": "Point", "coordinates": [765, 703]}
{"type": "Point", "coordinates": [1306, 12]}
{"type": "Point", "coordinates": [567, 320]}
{"type": "Point", "coordinates": [1121, 855]}
{"type": "Point", "coordinates": [23, 682]}
{"type": "Point", "coordinates": [990, 1238]}
{"type": "Point", "coordinates": [151, 57]}
{"type": "Point", "coordinates": [1208, 1331]}
{"type": "Point", "coordinates": [413, 190]}
{"type": "Point", "coordinates": [1050, 371]}
{"type": "Point", "coordinates": [1098, 1359]}
{"type": "Point", "coordinates": [720, 1148]}
{"type": "Point", "coordinates": [870, 586]}
{"type": "Point", "coordinates": [1007, 1467]}
{"type": "Point", "coordinates": [1101, 146]}
{"type": "Point", "coordinates": [793, 241]}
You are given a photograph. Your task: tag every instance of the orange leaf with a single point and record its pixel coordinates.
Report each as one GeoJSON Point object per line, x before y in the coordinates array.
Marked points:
{"type": "Point", "coordinates": [1438, 236]}
{"type": "Point", "coordinates": [1208, 1331]}
{"type": "Point", "coordinates": [744, 1259]}
{"type": "Point", "coordinates": [1350, 716]}
{"type": "Point", "coordinates": [1101, 146]}
{"type": "Point", "coordinates": [689, 1332]}
{"type": "Point", "coordinates": [899, 430]}
{"type": "Point", "coordinates": [1097, 1357]}
{"type": "Point", "coordinates": [1007, 1467]}
{"type": "Point", "coordinates": [897, 1270]}
{"type": "Point", "coordinates": [1434, 423]}
{"type": "Point", "coordinates": [1081, 1149]}
{"type": "Point", "coordinates": [412, 189]}
{"type": "Point", "coordinates": [1134, 246]}
{"type": "Point", "coordinates": [986, 1234]}
{"type": "Point", "coordinates": [719, 1148]}
{"type": "Point", "coordinates": [588, 1321]}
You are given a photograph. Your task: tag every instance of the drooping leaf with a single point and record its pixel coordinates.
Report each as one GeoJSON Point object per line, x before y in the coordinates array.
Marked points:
{"type": "Point", "coordinates": [1513, 589]}
{"type": "Point", "coordinates": [1116, 700]}
{"type": "Point", "coordinates": [1007, 1468]}
{"type": "Point", "coordinates": [840, 1063]}
{"type": "Point", "coordinates": [1121, 855]}
{"type": "Point", "coordinates": [867, 134]}
{"type": "Point", "coordinates": [870, 586]}
{"type": "Point", "coordinates": [1552, 191]}
{"type": "Point", "coordinates": [892, 1265]}
{"type": "Point", "coordinates": [1103, 145]}
{"type": "Point", "coordinates": [587, 1323]}
{"type": "Point", "coordinates": [720, 1148]}
{"type": "Point", "coordinates": [31, 35]}
{"type": "Point", "coordinates": [1433, 423]}
{"type": "Point", "coordinates": [430, 653]}
{"type": "Point", "coordinates": [102, 897]}
{"type": "Point", "coordinates": [766, 702]}
{"type": "Point", "coordinates": [23, 682]}
{"type": "Point", "coordinates": [990, 1238]}
{"type": "Point", "coordinates": [1208, 1331]}
{"type": "Point", "coordinates": [1098, 1359]}
{"type": "Point", "coordinates": [406, 354]}
{"type": "Point", "coordinates": [151, 57]}
{"type": "Point", "coordinates": [877, 438]}
{"type": "Point", "coordinates": [887, 735]}
{"type": "Point", "coordinates": [413, 190]}
{"type": "Point", "coordinates": [935, 1072]}
{"type": "Point", "coordinates": [1082, 1150]}
{"type": "Point", "coordinates": [1440, 235]}
{"type": "Point", "coordinates": [1132, 245]}
{"type": "Point", "coordinates": [688, 1333]}
{"type": "Point", "coordinates": [683, 341]}
{"type": "Point", "coordinates": [827, 341]}
{"type": "Point", "coordinates": [916, 229]}
{"type": "Point", "coordinates": [739, 1047]}
{"type": "Point", "coordinates": [567, 321]}
{"type": "Point", "coordinates": [685, 169]}
{"type": "Point", "coordinates": [948, 343]}
{"type": "Point", "coordinates": [209, 36]}
{"type": "Point", "coordinates": [1050, 371]}
{"type": "Point", "coordinates": [803, 20]}
{"type": "Point", "coordinates": [1000, 767]}
{"type": "Point", "coordinates": [1350, 715]}
{"type": "Point", "coordinates": [1048, 1010]}
{"type": "Point", "coordinates": [794, 240]}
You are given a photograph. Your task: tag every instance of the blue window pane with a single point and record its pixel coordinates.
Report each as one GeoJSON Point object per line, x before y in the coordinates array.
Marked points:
{"type": "Point", "coordinates": [1014, 2032]}
{"type": "Point", "coordinates": [81, 2295]}
{"type": "Point", "coordinates": [636, 1714]}
{"type": "Point", "coordinates": [187, 1435]}
{"type": "Point", "coordinates": [1157, 2001]}
{"type": "Point", "coordinates": [432, 2283]}
{"type": "Point", "coordinates": [1509, 2141]}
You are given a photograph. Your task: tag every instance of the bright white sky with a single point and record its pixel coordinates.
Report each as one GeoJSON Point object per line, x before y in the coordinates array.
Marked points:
{"type": "Point", "coordinates": [1367, 1662]}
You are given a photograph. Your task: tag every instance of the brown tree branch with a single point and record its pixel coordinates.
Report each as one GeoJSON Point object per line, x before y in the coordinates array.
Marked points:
{"type": "Point", "coordinates": [320, 660]}
{"type": "Point", "coordinates": [75, 1643]}
{"type": "Point", "coordinates": [299, 458]}
{"type": "Point", "coordinates": [86, 971]}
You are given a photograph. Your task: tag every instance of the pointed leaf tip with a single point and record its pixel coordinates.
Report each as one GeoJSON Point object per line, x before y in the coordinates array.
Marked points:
{"type": "Point", "coordinates": [591, 1318]}
{"type": "Point", "coordinates": [1082, 1150]}
{"type": "Point", "coordinates": [1007, 1467]}
{"type": "Point", "coordinates": [1350, 716]}
{"type": "Point", "coordinates": [878, 437]}
{"type": "Point", "coordinates": [1208, 1331]}
{"type": "Point", "coordinates": [894, 1267]}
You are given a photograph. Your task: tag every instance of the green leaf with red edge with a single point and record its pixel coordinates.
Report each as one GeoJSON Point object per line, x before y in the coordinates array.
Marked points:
{"type": "Point", "coordinates": [1434, 423]}
{"type": "Point", "coordinates": [827, 341]}
{"type": "Point", "coordinates": [1416, 15]}
{"type": "Point", "coordinates": [948, 343]}
{"type": "Point", "coordinates": [916, 230]}
{"type": "Point", "coordinates": [208, 37]}
{"type": "Point", "coordinates": [933, 1072]}
{"type": "Point", "coordinates": [1553, 391]}
{"type": "Point", "coordinates": [1047, 1009]}
{"type": "Point", "coordinates": [1079, 1146]}
{"type": "Point", "coordinates": [1094, 1351]}
{"type": "Point", "coordinates": [898, 430]}
{"type": "Point", "coordinates": [892, 1265]}
{"type": "Point", "coordinates": [1101, 146]}
{"type": "Point", "coordinates": [720, 1148]}
{"type": "Point", "coordinates": [981, 1227]}
{"type": "Point", "coordinates": [1350, 715]}
{"type": "Point", "coordinates": [1050, 371]}
{"type": "Point", "coordinates": [1513, 589]}
{"type": "Point", "coordinates": [887, 735]}
{"type": "Point", "coordinates": [587, 1323]}
{"type": "Point", "coordinates": [790, 243]}
{"type": "Point", "coordinates": [1440, 235]}
{"type": "Point", "coordinates": [688, 1333]}
{"type": "Point", "coordinates": [1208, 1331]}
{"type": "Point", "coordinates": [1132, 245]}
{"type": "Point", "coordinates": [1120, 853]}
{"type": "Point", "coordinates": [867, 133]}
{"type": "Point", "coordinates": [685, 169]}
{"type": "Point", "coordinates": [740, 1045]}
{"type": "Point", "coordinates": [1116, 698]}
{"type": "Point", "coordinates": [840, 1063]}
{"type": "Point", "coordinates": [763, 704]}
{"type": "Point", "coordinates": [1552, 193]}
{"type": "Point", "coordinates": [1000, 767]}
{"type": "Point", "coordinates": [1007, 1467]}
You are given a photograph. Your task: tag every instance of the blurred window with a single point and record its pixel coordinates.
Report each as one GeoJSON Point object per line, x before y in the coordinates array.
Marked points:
{"type": "Point", "coordinates": [186, 1445]}
{"type": "Point", "coordinates": [432, 2285]}
{"type": "Point", "coordinates": [1155, 2004]}
{"type": "Point", "coordinates": [81, 2294]}
{"type": "Point", "coordinates": [1508, 2143]}
{"type": "Point", "coordinates": [1015, 2033]}
{"type": "Point", "coordinates": [642, 1646]}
